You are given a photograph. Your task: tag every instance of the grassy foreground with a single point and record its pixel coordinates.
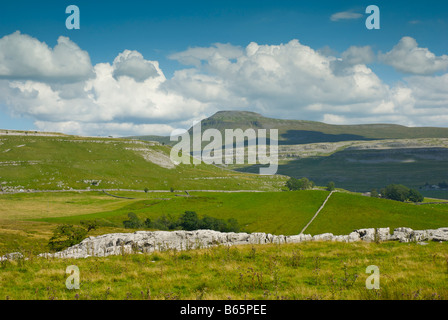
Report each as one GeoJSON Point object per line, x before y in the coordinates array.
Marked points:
{"type": "Point", "coordinates": [313, 270]}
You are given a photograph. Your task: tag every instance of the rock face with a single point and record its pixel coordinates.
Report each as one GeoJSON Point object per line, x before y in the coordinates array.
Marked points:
{"type": "Point", "coordinates": [149, 241]}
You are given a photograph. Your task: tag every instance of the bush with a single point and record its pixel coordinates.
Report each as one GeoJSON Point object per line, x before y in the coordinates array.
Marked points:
{"type": "Point", "coordinates": [89, 224]}
{"type": "Point", "coordinates": [134, 222]}
{"type": "Point", "coordinates": [397, 192]}
{"type": "Point", "coordinates": [415, 196]}
{"type": "Point", "coordinates": [294, 184]}
{"type": "Point", "coordinates": [165, 222]}
{"type": "Point", "coordinates": [330, 186]}
{"type": "Point", "coordinates": [374, 193]}
{"type": "Point", "coordinates": [401, 193]}
{"type": "Point", "coordinates": [65, 236]}
{"type": "Point", "coordinates": [231, 225]}
{"type": "Point", "coordinates": [189, 221]}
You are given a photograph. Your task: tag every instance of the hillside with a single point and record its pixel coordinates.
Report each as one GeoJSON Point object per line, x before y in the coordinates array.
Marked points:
{"type": "Point", "coordinates": [60, 162]}
{"type": "Point", "coordinates": [356, 157]}
{"type": "Point", "coordinates": [303, 132]}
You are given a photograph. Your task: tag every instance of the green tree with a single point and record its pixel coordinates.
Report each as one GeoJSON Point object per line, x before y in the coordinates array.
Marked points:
{"type": "Point", "coordinates": [189, 221]}
{"type": "Point", "coordinates": [415, 196]}
{"type": "Point", "coordinates": [134, 222]}
{"type": "Point", "coordinates": [232, 225]}
{"type": "Point", "coordinates": [396, 192]}
{"type": "Point", "coordinates": [294, 184]}
{"type": "Point", "coordinates": [148, 223]}
{"type": "Point", "coordinates": [330, 186]}
{"type": "Point", "coordinates": [374, 193]}
{"type": "Point", "coordinates": [89, 224]}
{"type": "Point", "coordinates": [165, 222]}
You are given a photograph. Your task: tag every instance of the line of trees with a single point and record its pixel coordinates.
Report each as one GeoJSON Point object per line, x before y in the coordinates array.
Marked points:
{"type": "Point", "coordinates": [189, 220]}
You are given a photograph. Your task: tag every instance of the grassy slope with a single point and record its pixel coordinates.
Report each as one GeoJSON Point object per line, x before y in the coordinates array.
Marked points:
{"type": "Point", "coordinates": [273, 212]}
{"type": "Point", "coordinates": [345, 213]}
{"type": "Point", "coordinates": [290, 271]}
{"type": "Point", "coordinates": [283, 212]}
{"type": "Point", "coordinates": [52, 163]}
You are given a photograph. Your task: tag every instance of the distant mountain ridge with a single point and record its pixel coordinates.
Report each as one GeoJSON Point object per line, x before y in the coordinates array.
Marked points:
{"type": "Point", "coordinates": [304, 131]}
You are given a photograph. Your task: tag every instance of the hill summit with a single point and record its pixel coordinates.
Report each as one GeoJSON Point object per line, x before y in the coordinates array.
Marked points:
{"type": "Point", "coordinates": [292, 132]}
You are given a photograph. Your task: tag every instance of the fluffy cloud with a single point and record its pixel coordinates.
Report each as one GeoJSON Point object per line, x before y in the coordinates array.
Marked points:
{"type": "Point", "coordinates": [195, 56]}
{"type": "Point", "coordinates": [132, 96]}
{"type": "Point", "coordinates": [24, 57]}
{"type": "Point", "coordinates": [132, 64]}
{"type": "Point", "coordinates": [407, 57]}
{"type": "Point", "coordinates": [289, 76]}
{"type": "Point", "coordinates": [351, 57]}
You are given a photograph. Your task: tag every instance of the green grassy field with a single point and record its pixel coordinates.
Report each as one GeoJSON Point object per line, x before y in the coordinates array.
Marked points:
{"type": "Point", "coordinates": [301, 271]}
{"type": "Point", "coordinates": [313, 270]}
{"type": "Point", "coordinates": [27, 220]}
{"type": "Point", "coordinates": [70, 162]}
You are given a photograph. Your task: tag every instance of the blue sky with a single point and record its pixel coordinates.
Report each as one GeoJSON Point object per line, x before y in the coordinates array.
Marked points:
{"type": "Point", "coordinates": [160, 30]}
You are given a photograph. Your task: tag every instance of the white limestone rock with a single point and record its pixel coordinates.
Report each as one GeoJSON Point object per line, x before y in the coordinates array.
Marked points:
{"type": "Point", "coordinates": [149, 241]}
{"type": "Point", "coordinates": [323, 237]}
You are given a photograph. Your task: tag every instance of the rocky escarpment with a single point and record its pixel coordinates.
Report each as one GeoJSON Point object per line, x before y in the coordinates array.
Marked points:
{"type": "Point", "coordinates": [149, 241]}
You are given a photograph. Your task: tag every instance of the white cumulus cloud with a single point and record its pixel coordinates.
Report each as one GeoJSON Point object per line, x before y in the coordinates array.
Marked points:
{"type": "Point", "coordinates": [132, 96]}
{"type": "Point", "coordinates": [132, 64]}
{"type": "Point", "coordinates": [408, 57]}
{"type": "Point", "coordinates": [24, 57]}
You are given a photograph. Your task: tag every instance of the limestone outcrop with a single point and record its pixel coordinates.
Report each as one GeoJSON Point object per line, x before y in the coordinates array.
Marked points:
{"type": "Point", "coordinates": [149, 241]}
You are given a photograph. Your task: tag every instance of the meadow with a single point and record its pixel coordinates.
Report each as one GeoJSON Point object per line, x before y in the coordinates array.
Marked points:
{"type": "Point", "coordinates": [311, 270]}
{"type": "Point", "coordinates": [27, 220]}
{"type": "Point", "coordinates": [59, 180]}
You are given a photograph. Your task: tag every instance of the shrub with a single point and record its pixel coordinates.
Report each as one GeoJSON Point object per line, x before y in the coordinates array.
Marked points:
{"type": "Point", "coordinates": [294, 184]}
{"type": "Point", "coordinates": [402, 193]}
{"type": "Point", "coordinates": [134, 222]}
{"type": "Point", "coordinates": [415, 196]}
{"type": "Point", "coordinates": [374, 193]}
{"type": "Point", "coordinates": [165, 222]}
{"type": "Point", "coordinates": [396, 192]}
{"type": "Point", "coordinates": [89, 224]}
{"type": "Point", "coordinates": [189, 221]}
{"type": "Point", "coordinates": [65, 236]}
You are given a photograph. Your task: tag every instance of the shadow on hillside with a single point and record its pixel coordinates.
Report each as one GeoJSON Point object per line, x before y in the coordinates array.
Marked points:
{"type": "Point", "coordinates": [306, 136]}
